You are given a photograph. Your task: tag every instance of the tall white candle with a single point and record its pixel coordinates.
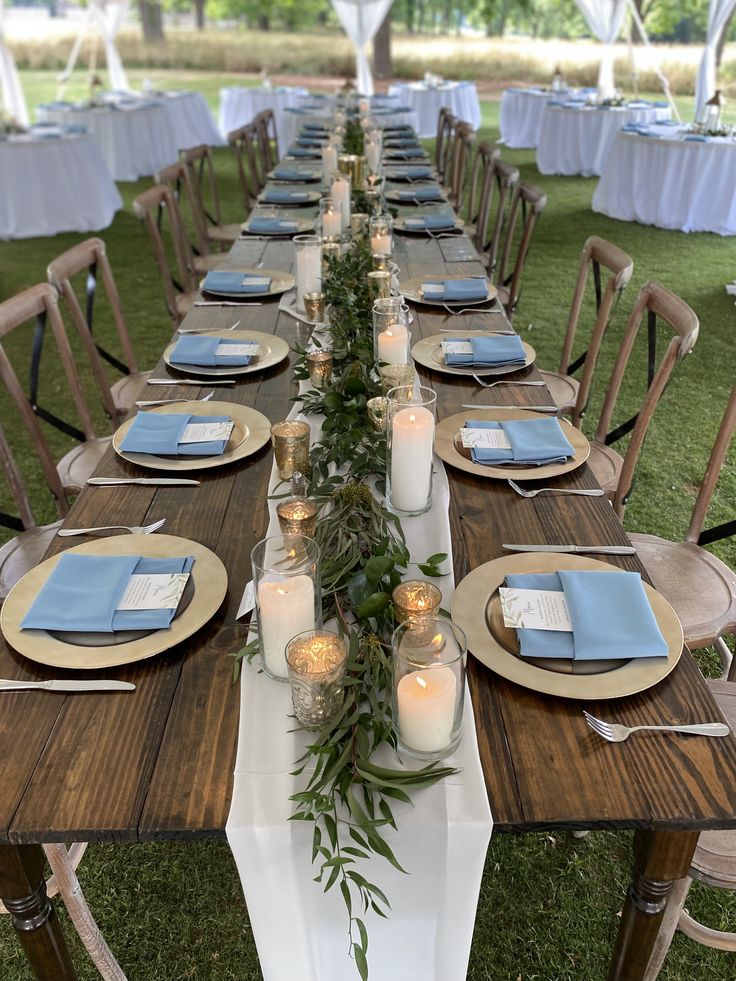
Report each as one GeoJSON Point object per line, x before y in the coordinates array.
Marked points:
{"type": "Point", "coordinates": [393, 344]}
{"type": "Point", "coordinates": [412, 443]}
{"type": "Point", "coordinates": [308, 271]}
{"type": "Point", "coordinates": [341, 194]}
{"type": "Point", "coordinates": [426, 701]}
{"type": "Point", "coordinates": [332, 223]}
{"type": "Point", "coordinates": [329, 163]}
{"type": "Point", "coordinates": [286, 609]}
{"type": "Point", "coordinates": [381, 243]}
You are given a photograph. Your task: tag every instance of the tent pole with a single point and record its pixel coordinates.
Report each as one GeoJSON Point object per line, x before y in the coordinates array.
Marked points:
{"type": "Point", "coordinates": [660, 74]}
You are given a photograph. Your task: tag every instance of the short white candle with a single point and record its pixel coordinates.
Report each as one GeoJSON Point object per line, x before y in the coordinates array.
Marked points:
{"type": "Point", "coordinates": [412, 443]}
{"type": "Point", "coordinates": [426, 701]}
{"type": "Point", "coordinates": [341, 194]}
{"type": "Point", "coordinates": [329, 162]}
{"type": "Point", "coordinates": [308, 272]}
{"type": "Point", "coordinates": [286, 609]}
{"type": "Point", "coordinates": [393, 344]}
{"type": "Point", "coordinates": [381, 243]}
{"type": "Point", "coordinates": [332, 223]}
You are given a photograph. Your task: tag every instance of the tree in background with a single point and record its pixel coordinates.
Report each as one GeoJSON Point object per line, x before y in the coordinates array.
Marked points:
{"type": "Point", "coordinates": [152, 20]}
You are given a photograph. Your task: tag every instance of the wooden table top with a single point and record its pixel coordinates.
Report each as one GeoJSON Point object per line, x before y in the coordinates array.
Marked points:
{"type": "Point", "coordinates": [157, 763]}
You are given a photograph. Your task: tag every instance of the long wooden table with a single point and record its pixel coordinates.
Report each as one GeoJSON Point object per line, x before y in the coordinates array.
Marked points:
{"type": "Point", "coordinates": [157, 764]}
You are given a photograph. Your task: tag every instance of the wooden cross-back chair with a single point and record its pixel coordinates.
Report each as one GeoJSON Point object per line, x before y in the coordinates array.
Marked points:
{"type": "Point", "coordinates": [500, 180]}
{"type": "Point", "coordinates": [461, 154]}
{"type": "Point", "coordinates": [700, 587]}
{"type": "Point", "coordinates": [200, 164]}
{"type": "Point", "coordinates": [90, 258]}
{"type": "Point", "coordinates": [527, 204]}
{"type": "Point", "coordinates": [444, 171]}
{"type": "Point", "coordinates": [615, 473]}
{"type": "Point", "coordinates": [485, 154]}
{"type": "Point", "coordinates": [245, 144]}
{"type": "Point", "coordinates": [567, 392]}
{"type": "Point", "coordinates": [178, 178]}
{"type": "Point", "coordinates": [267, 137]}
{"type": "Point", "coordinates": [444, 127]}
{"type": "Point", "coordinates": [152, 207]}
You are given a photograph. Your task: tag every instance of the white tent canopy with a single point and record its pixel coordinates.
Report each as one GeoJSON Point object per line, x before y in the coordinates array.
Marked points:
{"type": "Point", "coordinates": [718, 14]}
{"type": "Point", "coordinates": [360, 20]}
{"type": "Point", "coordinates": [605, 19]}
{"type": "Point", "coordinates": [12, 99]}
{"type": "Point", "coordinates": [107, 16]}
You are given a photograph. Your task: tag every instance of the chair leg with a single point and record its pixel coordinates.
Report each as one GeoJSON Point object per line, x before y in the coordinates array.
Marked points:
{"type": "Point", "coordinates": [673, 910]}
{"type": "Point", "coordinates": [80, 914]}
{"type": "Point", "coordinates": [727, 660]}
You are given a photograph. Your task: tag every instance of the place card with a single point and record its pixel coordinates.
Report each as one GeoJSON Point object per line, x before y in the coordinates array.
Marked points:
{"type": "Point", "coordinates": [536, 609]}
{"type": "Point", "coordinates": [205, 432]}
{"type": "Point", "coordinates": [264, 281]}
{"type": "Point", "coordinates": [490, 439]}
{"type": "Point", "coordinates": [433, 290]}
{"type": "Point", "coordinates": [154, 592]}
{"type": "Point", "coordinates": [249, 349]}
{"type": "Point", "coordinates": [248, 602]}
{"type": "Point", "coordinates": [457, 347]}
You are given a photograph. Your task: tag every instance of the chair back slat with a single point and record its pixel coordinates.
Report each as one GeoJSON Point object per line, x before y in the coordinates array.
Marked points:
{"type": "Point", "coordinates": [267, 137]}
{"type": "Point", "coordinates": [179, 179]}
{"type": "Point", "coordinates": [439, 143]}
{"type": "Point", "coordinates": [712, 473]}
{"type": "Point", "coordinates": [200, 164]}
{"type": "Point", "coordinates": [482, 164]}
{"type": "Point", "coordinates": [448, 144]}
{"type": "Point", "coordinates": [500, 178]}
{"type": "Point", "coordinates": [462, 152]}
{"type": "Point", "coordinates": [244, 141]}
{"type": "Point", "coordinates": [527, 203]}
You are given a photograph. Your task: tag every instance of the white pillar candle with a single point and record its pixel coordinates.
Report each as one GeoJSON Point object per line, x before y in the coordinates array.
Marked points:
{"type": "Point", "coordinates": [308, 271]}
{"type": "Point", "coordinates": [329, 163]}
{"type": "Point", "coordinates": [412, 444]}
{"type": "Point", "coordinates": [364, 106]}
{"type": "Point", "coordinates": [426, 701]}
{"type": "Point", "coordinates": [381, 243]}
{"type": "Point", "coordinates": [393, 344]}
{"type": "Point", "coordinates": [286, 609]}
{"type": "Point", "coordinates": [341, 194]}
{"type": "Point", "coordinates": [332, 223]}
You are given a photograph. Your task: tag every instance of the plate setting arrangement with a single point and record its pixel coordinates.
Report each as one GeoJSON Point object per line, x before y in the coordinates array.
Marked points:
{"type": "Point", "coordinates": [272, 224]}
{"type": "Point", "coordinates": [436, 353]}
{"type": "Point", "coordinates": [477, 609]}
{"type": "Point", "coordinates": [419, 193]}
{"type": "Point", "coordinates": [246, 284]}
{"type": "Point", "coordinates": [429, 224]}
{"type": "Point", "coordinates": [211, 359]}
{"type": "Point", "coordinates": [448, 291]}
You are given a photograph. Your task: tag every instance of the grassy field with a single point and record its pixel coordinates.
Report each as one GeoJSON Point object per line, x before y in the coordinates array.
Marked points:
{"type": "Point", "coordinates": [549, 903]}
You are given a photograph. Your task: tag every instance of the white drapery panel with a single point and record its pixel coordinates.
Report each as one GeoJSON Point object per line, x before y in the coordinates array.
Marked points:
{"type": "Point", "coordinates": [605, 19]}
{"type": "Point", "coordinates": [718, 14]}
{"type": "Point", "coordinates": [11, 94]}
{"type": "Point", "coordinates": [360, 19]}
{"type": "Point", "coordinates": [109, 16]}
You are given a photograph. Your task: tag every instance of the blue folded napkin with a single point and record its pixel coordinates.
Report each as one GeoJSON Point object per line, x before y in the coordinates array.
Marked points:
{"type": "Point", "coordinates": [536, 442]}
{"type": "Point", "coordinates": [282, 195]}
{"type": "Point", "coordinates": [312, 141]}
{"type": "Point", "coordinates": [421, 194]}
{"type": "Point", "coordinates": [203, 351]}
{"type": "Point", "coordinates": [459, 289]}
{"type": "Point", "coordinates": [431, 222]}
{"type": "Point", "coordinates": [610, 614]}
{"type": "Point", "coordinates": [272, 226]}
{"type": "Point", "coordinates": [399, 129]}
{"type": "Point", "coordinates": [498, 350]}
{"type": "Point", "coordinates": [159, 434]}
{"type": "Point", "coordinates": [405, 154]}
{"type": "Point", "coordinates": [697, 138]}
{"type": "Point", "coordinates": [285, 173]}
{"type": "Point", "coordinates": [402, 143]}
{"type": "Point", "coordinates": [315, 127]}
{"type": "Point", "coordinates": [83, 591]}
{"type": "Point", "coordinates": [300, 151]}
{"type": "Point", "coordinates": [233, 281]}
{"type": "Point", "coordinates": [412, 173]}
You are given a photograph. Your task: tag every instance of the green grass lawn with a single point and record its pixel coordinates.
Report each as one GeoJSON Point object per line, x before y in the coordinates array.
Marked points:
{"type": "Point", "coordinates": [549, 903]}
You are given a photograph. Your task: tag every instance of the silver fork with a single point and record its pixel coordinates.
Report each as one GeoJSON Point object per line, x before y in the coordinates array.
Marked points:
{"type": "Point", "coordinates": [554, 490]}
{"type": "Point", "coordinates": [203, 330]}
{"type": "Point", "coordinates": [504, 381]}
{"type": "Point", "coordinates": [614, 732]}
{"type": "Point", "coordinates": [133, 529]}
{"type": "Point", "coordinates": [146, 404]}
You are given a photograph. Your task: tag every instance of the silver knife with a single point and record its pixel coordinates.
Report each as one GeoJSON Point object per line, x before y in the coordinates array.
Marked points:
{"type": "Point", "coordinates": [527, 408]}
{"type": "Point", "coordinates": [201, 382]}
{"type": "Point", "coordinates": [225, 303]}
{"type": "Point", "coordinates": [594, 549]}
{"type": "Point", "coordinates": [67, 685]}
{"type": "Point", "coordinates": [144, 481]}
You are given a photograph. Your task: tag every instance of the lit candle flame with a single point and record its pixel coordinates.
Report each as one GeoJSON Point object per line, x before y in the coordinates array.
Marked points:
{"type": "Point", "coordinates": [422, 683]}
{"type": "Point", "coordinates": [412, 418]}
{"type": "Point", "coordinates": [280, 591]}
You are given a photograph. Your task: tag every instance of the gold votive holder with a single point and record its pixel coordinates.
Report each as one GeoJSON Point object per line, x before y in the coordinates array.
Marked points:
{"type": "Point", "coordinates": [382, 262]}
{"type": "Point", "coordinates": [415, 599]}
{"type": "Point", "coordinates": [316, 660]}
{"type": "Point", "coordinates": [377, 409]}
{"type": "Point", "coordinates": [290, 442]}
{"type": "Point", "coordinates": [373, 195]}
{"type": "Point", "coordinates": [314, 306]}
{"type": "Point", "coordinates": [330, 250]}
{"type": "Point", "coordinates": [352, 164]}
{"type": "Point", "coordinates": [319, 364]}
{"type": "Point", "coordinates": [297, 516]}
{"type": "Point", "coordinates": [379, 284]}
{"type": "Point", "coordinates": [359, 224]}
{"type": "Point", "coordinates": [396, 376]}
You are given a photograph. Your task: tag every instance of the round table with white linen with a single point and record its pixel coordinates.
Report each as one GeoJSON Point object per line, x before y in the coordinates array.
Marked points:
{"type": "Point", "coordinates": [239, 105]}
{"type": "Point", "coordinates": [191, 119]}
{"type": "Point", "coordinates": [54, 183]}
{"type": "Point", "coordinates": [663, 178]}
{"type": "Point", "coordinates": [461, 98]}
{"type": "Point", "coordinates": [575, 139]}
{"type": "Point", "coordinates": [136, 137]}
{"type": "Point", "coordinates": [521, 114]}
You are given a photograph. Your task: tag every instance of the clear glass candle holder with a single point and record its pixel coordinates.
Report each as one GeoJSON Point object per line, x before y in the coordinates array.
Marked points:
{"type": "Point", "coordinates": [341, 192]}
{"type": "Point", "coordinates": [316, 660]}
{"type": "Point", "coordinates": [381, 232]}
{"type": "Point", "coordinates": [410, 429]}
{"type": "Point", "coordinates": [330, 217]}
{"type": "Point", "coordinates": [379, 284]}
{"type": "Point", "coordinates": [428, 686]}
{"type": "Point", "coordinates": [290, 441]}
{"type": "Point", "coordinates": [308, 266]}
{"type": "Point", "coordinates": [286, 581]}
{"type": "Point", "coordinates": [330, 251]}
{"type": "Point", "coordinates": [387, 316]}
{"type": "Point", "coordinates": [415, 599]}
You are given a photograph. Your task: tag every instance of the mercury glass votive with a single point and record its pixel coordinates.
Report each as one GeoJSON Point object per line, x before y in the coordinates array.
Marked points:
{"type": "Point", "coordinates": [297, 516]}
{"type": "Point", "coordinates": [290, 442]}
{"type": "Point", "coordinates": [415, 599]}
{"type": "Point", "coordinates": [382, 261]}
{"type": "Point", "coordinates": [359, 225]}
{"type": "Point", "coordinates": [314, 307]}
{"type": "Point", "coordinates": [377, 409]}
{"type": "Point", "coordinates": [316, 660]}
{"type": "Point", "coordinates": [379, 284]}
{"type": "Point", "coordinates": [319, 364]}
{"type": "Point", "coordinates": [330, 250]}
{"type": "Point", "coordinates": [396, 375]}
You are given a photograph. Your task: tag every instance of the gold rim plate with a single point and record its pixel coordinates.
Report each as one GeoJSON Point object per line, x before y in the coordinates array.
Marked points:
{"type": "Point", "coordinates": [280, 283]}
{"type": "Point", "coordinates": [446, 446]}
{"type": "Point", "coordinates": [271, 351]}
{"type": "Point", "coordinates": [312, 198]}
{"type": "Point", "coordinates": [210, 587]}
{"type": "Point", "coordinates": [428, 353]}
{"type": "Point", "coordinates": [302, 225]}
{"type": "Point", "coordinates": [476, 609]}
{"type": "Point", "coordinates": [401, 226]}
{"type": "Point", "coordinates": [411, 289]}
{"type": "Point", "coordinates": [313, 178]}
{"type": "Point", "coordinates": [251, 431]}
{"type": "Point", "coordinates": [395, 195]}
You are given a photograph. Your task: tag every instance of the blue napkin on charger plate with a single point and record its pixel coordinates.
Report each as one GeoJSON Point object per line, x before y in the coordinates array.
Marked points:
{"type": "Point", "coordinates": [292, 174]}
{"type": "Point", "coordinates": [406, 154]}
{"type": "Point", "coordinates": [233, 281]}
{"type": "Point", "coordinates": [159, 434]}
{"type": "Point", "coordinates": [404, 141]}
{"type": "Point", "coordinates": [411, 173]}
{"type": "Point", "coordinates": [489, 351]}
{"type": "Point", "coordinates": [697, 138]}
{"type": "Point", "coordinates": [282, 195]}
{"type": "Point", "coordinates": [315, 127]}
{"type": "Point", "coordinates": [272, 225]}
{"type": "Point", "coordinates": [458, 290]}
{"type": "Point", "coordinates": [610, 614]}
{"type": "Point", "coordinates": [536, 442]}
{"type": "Point", "coordinates": [430, 222]}
{"type": "Point", "coordinates": [202, 351]}
{"type": "Point", "coordinates": [312, 141]}
{"type": "Point", "coordinates": [421, 194]}
{"type": "Point", "coordinates": [303, 152]}
{"type": "Point", "coordinates": [83, 591]}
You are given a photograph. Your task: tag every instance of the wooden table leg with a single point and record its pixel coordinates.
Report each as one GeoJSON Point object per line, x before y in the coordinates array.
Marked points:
{"type": "Point", "coordinates": [660, 858]}
{"type": "Point", "coordinates": [23, 891]}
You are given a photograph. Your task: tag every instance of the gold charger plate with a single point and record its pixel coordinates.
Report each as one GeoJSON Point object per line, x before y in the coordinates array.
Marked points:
{"type": "Point", "coordinates": [447, 446]}
{"type": "Point", "coordinates": [251, 431]}
{"type": "Point", "coordinates": [401, 226]}
{"type": "Point", "coordinates": [280, 283]}
{"type": "Point", "coordinates": [271, 350]}
{"type": "Point", "coordinates": [477, 609]}
{"type": "Point", "coordinates": [428, 352]}
{"type": "Point", "coordinates": [302, 225]}
{"type": "Point", "coordinates": [308, 178]}
{"type": "Point", "coordinates": [395, 195]}
{"type": "Point", "coordinates": [312, 198]}
{"type": "Point", "coordinates": [210, 586]}
{"type": "Point", "coordinates": [411, 289]}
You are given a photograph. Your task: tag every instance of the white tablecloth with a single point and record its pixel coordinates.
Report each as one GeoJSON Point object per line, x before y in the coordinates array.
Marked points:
{"type": "Point", "coordinates": [238, 106]}
{"type": "Point", "coordinates": [57, 185]}
{"type": "Point", "coordinates": [460, 97]}
{"type": "Point", "coordinates": [577, 139]}
{"type": "Point", "coordinates": [670, 182]}
{"type": "Point", "coordinates": [135, 142]}
{"type": "Point", "coordinates": [191, 119]}
{"type": "Point", "coordinates": [521, 115]}
{"type": "Point", "coordinates": [294, 118]}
